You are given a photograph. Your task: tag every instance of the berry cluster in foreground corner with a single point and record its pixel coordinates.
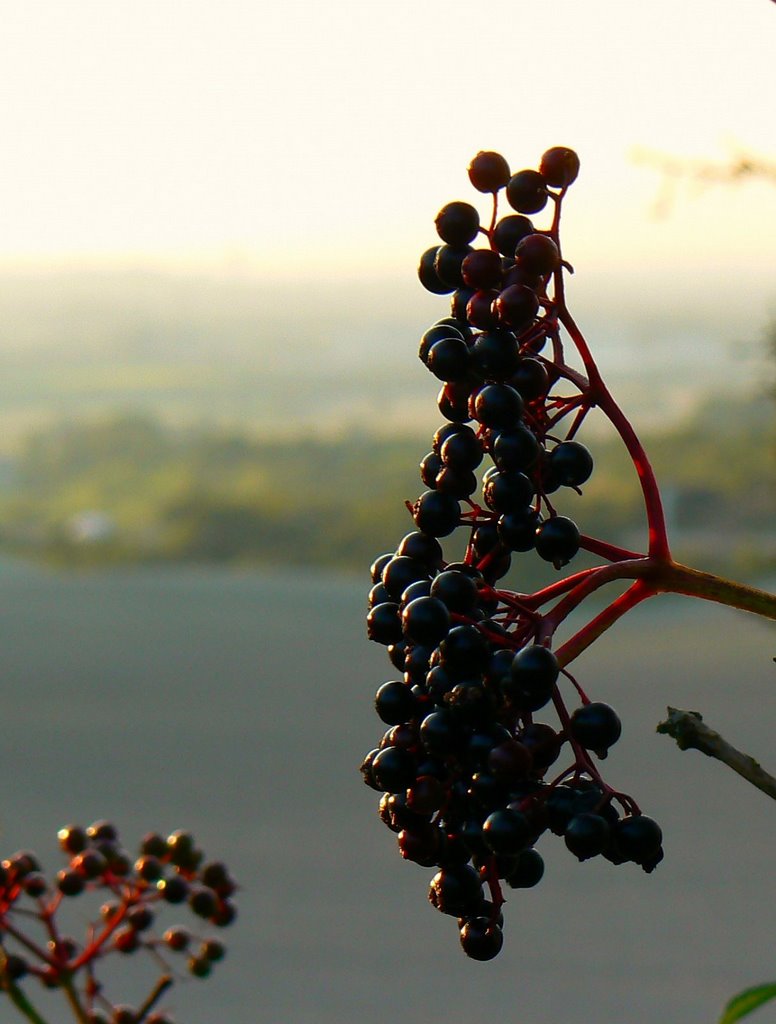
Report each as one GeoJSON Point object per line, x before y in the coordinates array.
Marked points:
{"type": "Point", "coordinates": [464, 766]}
{"type": "Point", "coordinates": [135, 891]}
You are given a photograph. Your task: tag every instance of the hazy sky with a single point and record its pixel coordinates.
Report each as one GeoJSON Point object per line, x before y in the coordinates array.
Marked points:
{"type": "Point", "coordinates": [322, 137]}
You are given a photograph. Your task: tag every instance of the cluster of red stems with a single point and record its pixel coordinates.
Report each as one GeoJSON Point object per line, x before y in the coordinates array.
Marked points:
{"type": "Point", "coordinates": [463, 766]}
{"type": "Point", "coordinates": [131, 893]}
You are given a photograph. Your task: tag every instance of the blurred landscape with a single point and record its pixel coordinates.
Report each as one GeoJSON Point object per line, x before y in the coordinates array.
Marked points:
{"type": "Point", "coordinates": [159, 417]}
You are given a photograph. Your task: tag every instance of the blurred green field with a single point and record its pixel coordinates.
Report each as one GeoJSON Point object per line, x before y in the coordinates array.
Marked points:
{"type": "Point", "coordinates": [134, 489]}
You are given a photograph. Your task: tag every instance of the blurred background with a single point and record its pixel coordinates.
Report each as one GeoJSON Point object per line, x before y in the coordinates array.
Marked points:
{"type": "Point", "coordinates": [211, 412]}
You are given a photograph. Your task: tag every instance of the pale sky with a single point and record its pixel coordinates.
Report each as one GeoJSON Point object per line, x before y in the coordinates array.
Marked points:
{"type": "Point", "coordinates": [321, 138]}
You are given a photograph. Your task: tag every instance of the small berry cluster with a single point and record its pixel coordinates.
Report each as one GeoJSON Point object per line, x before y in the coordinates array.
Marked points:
{"type": "Point", "coordinates": [463, 765]}
{"type": "Point", "coordinates": [169, 870]}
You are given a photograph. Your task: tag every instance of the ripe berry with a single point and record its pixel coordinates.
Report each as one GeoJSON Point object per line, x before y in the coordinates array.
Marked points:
{"type": "Point", "coordinates": [481, 314]}
{"type": "Point", "coordinates": [140, 917]}
{"type": "Point", "coordinates": [176, 938]}
{"type": "Point", "coordinates": [448, 263]}
{"type": "Point", "coordinates": [439, 734]}
{"type": "Point", "coordinates": [422, 547]}
{"type": "Point", "coordinates": [459, 302]}
{"type": "Point", "coordinates": [507, 492]}
{"type": "Point", "coordinates": [126, 940]}
{"type": "Point", "coordinates": [453, 401]}
{"type": "Point", "coordinates": [436, 333]}
{"type": "Point", "coordinates": [571, 463]}
{"type": "Point", "coordinates": [559, 166]}
{"type": "Point", "coordinates": [457, 223]}
{"type": "Point", "coordinates": [533, 674]}
{"type": "Point", "coordinates": [394, 703]}
{"type": "Point", "coordinates": [70, 883]}
{"type": "Point", "coordinates": [158, 846]}
{"type": "Point", "coordinates": [557, 540]}
{"type": "Point", "coordinates": [509, 231]}
{"type": "Point", "coordinates": [537, 254]}
{"type": "Point", "coordinates": [400, 572]}
{"type": "Point", "coordinates": [225, 914]}
{"type": "Point", "coordinates": [527, 871]}
{"type": "Point", "coordinates": [596, 726]}
{"type": "Point", "coordinates": [90, 863]}
{"type": "Point", "coordinates": [203, 901]}
{"type": "Point", "coordinates": [455, 589]}
{"type": "Point", "coordinates": [638, 837]}
{"type": "Point", "coordinates": [448, 359]}
{"type": "Point", "coordinates": [200, 966]}
{"type": "Point", "coordinates": [587, 835]}
{"type": "Point", "coordinates": [103, 830]}
{"type": "Point", "coordinates": [72, 838]}
{"type": "Point", "coordinates": [488, 171]}
{"type": "Point", "coordinates": [530, 379]}
{"type": "Point", "coordinates": [515, 448]}
{"type": "Point", "coordinates": [35, 884]}
{"type": "Point", "coordinates": [212, 950]}
{"type": "Point", "coordinates": [516, 306]}
{"type": "Point", "coordinates": [426, 620]}
{"type": "Point", "coordinates": [506, 831]}
{"type": "Point", "coordinates": [517, 530]}
{"type": "Point", "coordinates": [436, 514]}
{"type": "Point", "coordinates": [430, 465]}
{"type": "Point", "coordinates": [428, 275]}
{"type": "Point", "coordinates": [482, 269]}
{"type": "Point", "coordinates": [426, 795]}
{"type": "Point", "coordinates": [383, 624]}
{"type": "Point", "coordinates": [393, 769]}
{"type": "Point", "coordinates": [498, 406]}
{"type": "Point", "coordinates": [480, 939]}
{"type": "Point", "coordinates": [464, 651]}
{"type": "Point", "coordinates": [456, 890]}
{"type": "Point", "coordinates": [462, 449]}
{"type": "Point", "coordinates": [174, 889]}
{"type": "Point", "coordinates": [495, 354]}
{"type": "Point", "coordinates": [527, 192]}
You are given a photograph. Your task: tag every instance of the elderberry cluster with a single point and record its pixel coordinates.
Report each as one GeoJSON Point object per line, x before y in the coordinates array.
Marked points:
{"type": "Point", "coordinates": [463, 765]}
{"type": "Point", "coordinates": [134, 889]}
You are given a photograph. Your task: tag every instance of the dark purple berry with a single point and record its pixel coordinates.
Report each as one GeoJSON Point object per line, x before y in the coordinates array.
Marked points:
{"type": "Point", "coordinates": [571, 463]}
{"type": "Point", "coordinates": [394, 704]}
{"type": "Point", "coordinates": [457, 223]}
{"type": "Point", "coordinates": [527, 192]}
{"type": "Point", "coordinates": [481, 939]}
{"type": "Point", "coordinates": [383, 624]}
{"type": "Point", "coordinates": [559, 166]}
{"type": "Point", "coordinates": [587, 835]}
{"type": "Point", "coordinates": [557, 540]}
{"type": "Point", "coordinates": [498, 406]}
{"type": "Point", "coordinates": [596, 726]}
{"type": "Point", "coordinates": [537, 254]}
{"type": "Point", "coordinates": [428, 275]}
{"type": "Point", "coordinates": [638, 838]}
{"type": "Point", "coordinates": [436, 514]}
{"type": "Point", "coordinates": [481, 269]}
{"type": "Point", "coordinates": [527, 871]}
{"type": "Point", "coordinates": [508, 233]}
{"type": "Point", "coordinates": [516, 306]}
{"type": "Point", "coordinates": [426, 620]}
{"type": "Point", "coordinates": [488, 171]}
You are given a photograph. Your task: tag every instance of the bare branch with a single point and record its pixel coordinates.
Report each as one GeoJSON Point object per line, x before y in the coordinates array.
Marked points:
{"type": "Point", "coordinates": [690, 732]}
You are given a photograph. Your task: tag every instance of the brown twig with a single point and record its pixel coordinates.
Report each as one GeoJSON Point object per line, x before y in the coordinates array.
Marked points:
{"type": "Point", "coordinates": [690, 732]}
